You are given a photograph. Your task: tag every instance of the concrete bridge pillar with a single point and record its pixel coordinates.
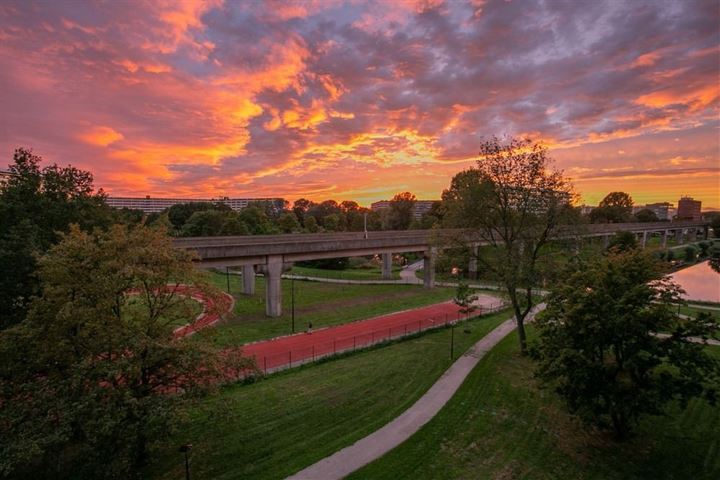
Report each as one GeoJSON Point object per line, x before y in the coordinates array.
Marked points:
{"type": "Point", "coordinates": [429, 269]}
{"type": "Point", "coordinates": [473, 265]}
{"type": "Point", "coordinates": [707, 232]}
{"type": "Point", "coordinates": [679, 236]}
{"type": "Point", "coordinates": [273, 286]}
{"type": "Point", "coordinates": [248, 279]}
{"type": "Point", "coordinates": [665, 236]}
{"type": "Point", "coordinates": [387, 266]}
{"type": "Point", "coordinates": [692, 235]}
{"type": "Point", "coordinates": [643, 242]}
{"type": "Point", "coordinates": [606, 241]}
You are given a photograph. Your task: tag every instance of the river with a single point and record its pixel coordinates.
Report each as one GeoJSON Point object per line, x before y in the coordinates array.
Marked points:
{"type": "Point", "coordinates": [700, 282]}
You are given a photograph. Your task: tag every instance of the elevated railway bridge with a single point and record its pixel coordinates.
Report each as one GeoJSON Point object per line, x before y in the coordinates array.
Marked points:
{"type": "Point", "coordinates": [269, 253]}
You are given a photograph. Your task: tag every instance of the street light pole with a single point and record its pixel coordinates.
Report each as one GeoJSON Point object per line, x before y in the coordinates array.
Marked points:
{"type": "Point", "coordinates": [365, 224]}
{"type": "Point", "coordinates": [227, 276]}
{"type": "Point", "coordinates": [292, 302]}
{"type": "Point", "coordinates": [186, 449]}
{"type": "Point", "coordinates": [452, 340]}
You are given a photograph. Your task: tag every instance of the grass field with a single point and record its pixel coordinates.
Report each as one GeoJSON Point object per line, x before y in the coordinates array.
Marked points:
{"type": "Point", "coordinates": [323, 304]}
{"type": "Point", "coordinates": [500, 425]}
{"type": "Point", "coordinates": [374, 273]}
{"type": "Point", "coordinates": [288, 421]}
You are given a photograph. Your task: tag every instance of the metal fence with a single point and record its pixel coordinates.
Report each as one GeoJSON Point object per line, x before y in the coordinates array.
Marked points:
{"type": "Point", "coordinates": [314, 351]}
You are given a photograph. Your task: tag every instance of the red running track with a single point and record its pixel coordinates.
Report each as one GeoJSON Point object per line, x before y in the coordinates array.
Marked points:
{"type": "Point", "coordinates": [282, 352]}
{"type": "Point", "coordinates": [213, 309]}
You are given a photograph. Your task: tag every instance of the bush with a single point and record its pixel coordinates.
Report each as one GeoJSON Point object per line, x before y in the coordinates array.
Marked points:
{"type": "Point", "coordinates": [670, 256]}
{"type": "Point", "coordinates": [704, 247]}
{"type": "Point", "coordinates": [690, 253]}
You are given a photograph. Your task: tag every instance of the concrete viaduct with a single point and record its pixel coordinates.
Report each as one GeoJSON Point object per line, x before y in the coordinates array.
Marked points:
{"type": "Point", "coordinates": [268, 254]}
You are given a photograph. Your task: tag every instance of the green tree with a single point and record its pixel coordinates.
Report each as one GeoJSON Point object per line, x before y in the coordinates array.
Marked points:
{"type": "Point", "coordinates": [623, 241]}
{"type": "Point", "coordinates": [646, 215]}
{"type": "Point", "coordinates": [204, 223]}
{"type": "Point", "coordinates": [288, 223]}
{"type": "Point", "coordinates": [616, 207]}
{"type": "Point", "coordinates": [94, 375]}
{"type": "Point", "coordinates": [465, 298]}
{"type": "Point", "coordinates": [311, 224]}
{"type": "Point", "coordinates": [36, 204]}
{"type": "Point", "coordinates": [514, 203]}
{"type": "Point", "coordinates": [715, 225]}
{"type": "Point", "coordinates": [400, 214]}
{"type": "Point", "coordinates": [600, 345]}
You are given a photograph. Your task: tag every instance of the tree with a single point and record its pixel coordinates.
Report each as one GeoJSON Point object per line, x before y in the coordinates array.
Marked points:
{"type": "Point", "coordinates": [616, 207]}
{"type": "Point", "coordinates": [36, 204]}
{"type": "Point", "coordinates": [311, 224]}
{"type": "Point", "coordinates": [301, 207]}
{"type": "Point", "coordinates": [514, 203]}
{"type": "Point", "coordinates": [204, 223]}
{"type": "Point", "coordinates": [715, 225]}
{"type": "Point", "coordinates": [86, 379]}
{"type": "Point", "coordinates": [288, 223]}
{"type": "Point", "coordinates": [465, 298]}
{"type": "Point", "coordinates": [599, 344]}
{"type": "Point", "coordinates": [400, 214]}
{"type": "Point", "coordinates": [623, 241]}
{"type": "Point", "coordinates": [646, 215]}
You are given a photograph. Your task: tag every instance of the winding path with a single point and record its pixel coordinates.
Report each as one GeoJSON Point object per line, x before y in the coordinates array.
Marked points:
{"type": "Point", "coordinates": [380, 442]}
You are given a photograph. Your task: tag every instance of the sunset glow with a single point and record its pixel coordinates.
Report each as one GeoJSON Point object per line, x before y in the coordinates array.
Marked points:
{"type": "Point", "coordinates": [361, 100]}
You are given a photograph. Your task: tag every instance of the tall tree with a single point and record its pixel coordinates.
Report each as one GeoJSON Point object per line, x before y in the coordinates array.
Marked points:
{"type": "Point", "coordinates": [613, 347]}
{"type": "Point", "coordinates": [86, 380]}
{"type": "Point", "coordinates": [400, 214]}
{"type": "Point", "coordinates": [513, 202]}
{"type": "Point", "coordinates": [616, 207]}
{"type": "Point", "coordinates": [35, 205]}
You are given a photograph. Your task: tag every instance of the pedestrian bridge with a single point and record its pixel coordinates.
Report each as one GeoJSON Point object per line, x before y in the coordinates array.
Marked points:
{"type": "Point", "coordinates": [268, 253]}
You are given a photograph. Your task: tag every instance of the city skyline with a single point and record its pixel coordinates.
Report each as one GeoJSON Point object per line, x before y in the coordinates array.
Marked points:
{"type": "Point", "coordinates": [359, 101]}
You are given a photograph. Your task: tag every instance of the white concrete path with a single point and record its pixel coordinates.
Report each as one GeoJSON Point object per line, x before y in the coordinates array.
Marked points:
{"type": "Point", "coordinates": [378, 443]}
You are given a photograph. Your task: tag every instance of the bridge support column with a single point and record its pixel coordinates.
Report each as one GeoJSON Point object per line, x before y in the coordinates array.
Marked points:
{"type": "Point", "coordinates": [707, 232]}
{"type": "Point", "coordinates": [473, 264]}
{"type": "Point", "coordinates": [665, 236]}
{"type": "Point", "coordinates": [248, 279]}
{"type": "Point", "coordinates": [273, 289]}
{"type": "Point", "coordinates": [692, 235]}
{"type": "Point", "coordinates": [606, 241]}
{"type": "Point", "coordinates": [429, 269]}
{"type": "Point", "coordinates": [643, 242]}
{"type": "Point", "coordinates": [679, 236]}
{"type": "Point", "coordinates": [387, 266]}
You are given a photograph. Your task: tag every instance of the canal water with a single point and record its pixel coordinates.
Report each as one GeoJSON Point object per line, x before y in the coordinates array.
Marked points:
{"type": "Point", "coordinates": [700, 282]}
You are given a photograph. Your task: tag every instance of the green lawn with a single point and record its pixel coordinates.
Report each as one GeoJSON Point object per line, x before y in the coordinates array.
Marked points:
{"type": "Point", "coordinates": [290, 420]}
{"type": "Point", "coordinates": [323, 304]}
{"type": "Point", "coordinates": [373, 273]}
{"type": "Point", "coordinates": [500, 425]}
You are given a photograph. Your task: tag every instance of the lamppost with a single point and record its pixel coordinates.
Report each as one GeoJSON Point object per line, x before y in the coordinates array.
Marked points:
{"type": "Point", "coordinates": [365, 224]}
{"type": "Point", "coordinates": [292, 302]}
{"type": "Point", "coordinates": [186, 449]}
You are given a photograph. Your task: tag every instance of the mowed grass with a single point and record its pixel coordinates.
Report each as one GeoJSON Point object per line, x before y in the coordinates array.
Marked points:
{"type": "Point", "coordinates": [373, 273]}
{"type": "Point", "coordinates": [501, 425]}
{"type": "Point", "coordinates": [288, 421]}
{"type": "Point", "coordinates": [323, 304]}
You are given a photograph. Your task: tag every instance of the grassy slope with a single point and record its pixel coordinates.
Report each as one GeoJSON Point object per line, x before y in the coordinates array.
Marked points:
{"type": "Point", "coordinates": [374, 273]}
{"type": "Point", "coordinates": [500, 425]}
{"type": "Point", "coordinates": [280, 425]}
{"type": "Point", "coordinates": [322, 304]}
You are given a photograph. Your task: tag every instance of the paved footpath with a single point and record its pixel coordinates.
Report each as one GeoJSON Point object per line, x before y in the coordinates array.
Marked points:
{"type": "Point", "coordinates": [282, 352]}
{"type": "Point", "coordinates": [378, 443]}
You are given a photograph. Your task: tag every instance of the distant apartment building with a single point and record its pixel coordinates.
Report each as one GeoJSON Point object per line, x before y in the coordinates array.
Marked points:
{"type": "Point", "coordinates": [421, 207]}
{"type": "Point", "coordinates": [689, 209]}
{"type": "Point", "coordinates": [663, 210]}
{"type": "Point", "coordinates": [155, 205]}
{"type": "Point", "coordinates": [586, 209]}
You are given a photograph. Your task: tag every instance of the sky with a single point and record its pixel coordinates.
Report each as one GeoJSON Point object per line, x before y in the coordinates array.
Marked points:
{"type": "Point", "coordinates": [363, 99]}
